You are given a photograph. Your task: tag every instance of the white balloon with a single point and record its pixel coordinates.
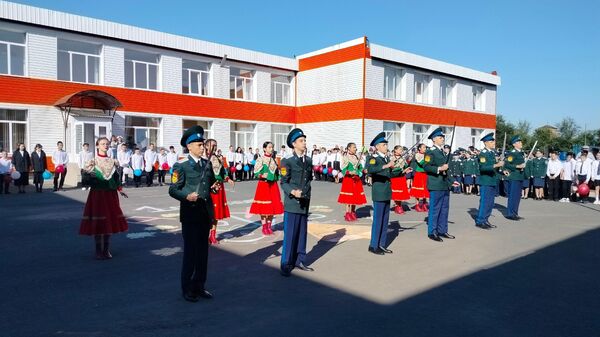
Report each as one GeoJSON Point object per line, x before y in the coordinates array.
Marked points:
{"type": "Point", "coordinates": [334, 173]}
{"type": "Point", "coordinates": [15, 175]}
{"type": "Point", "coordinates": [340, 175]}
{"type": "Point", "coordinates": [238, 167]}
{"type": "Point", "coordinates": [149, 168]}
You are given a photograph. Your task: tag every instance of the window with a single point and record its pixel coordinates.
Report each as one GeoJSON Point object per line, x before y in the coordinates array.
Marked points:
{"type": "Point", "coordinates": [243, 135]}
{"type": "Point", "coordinates": [447, 130]}
{"type": "Point", "coordinates": [478, 98]}
{"type": "Point", "coordinates": [279, 135]}
{"type": "Point", "coordinates": [392, 83]}
{"type": "Point", "coordinates": [475, 137]}
{"type": "Point", "coordinates": [196, 78]}
{"type": "Point", "coordinates": [393, 132]}
{"type": "Point", "coordinates": [422, 89]}
{"type": "Point", "coordinates": [447, 92]}
{"type": "Point", "coordinates": [12, 53]}
{"type": "Point", "coordinates": [419, 133]}
{"type": "Point", "coordinates": [141, 131]}
{"type": "Point", "coordinates": [280, 89]}
{"type": "Point", "coordinates": [13, 129]}
{"type": "Point", "coordinates": [206, 125]}
{"type": "Point", "coordinates": [241, 84]}
{"type": "Point", "coordinates": [141, 70]}
{"type": "Point", "coordinates": [78, 61]}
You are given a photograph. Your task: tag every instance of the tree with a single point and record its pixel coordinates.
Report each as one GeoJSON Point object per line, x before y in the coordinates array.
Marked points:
{"type": "Point", "coordinates": [523, 129]}
{"type": "Point", "coordinates": [503, 126]}
{"type": "Point", "coordinates": [546, 139]}
{"type": "Point", "coordinates": [568, 128]}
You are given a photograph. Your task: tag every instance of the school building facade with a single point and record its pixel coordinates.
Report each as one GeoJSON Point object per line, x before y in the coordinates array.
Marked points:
{"type": "Point", "coordinates": [73, 78]}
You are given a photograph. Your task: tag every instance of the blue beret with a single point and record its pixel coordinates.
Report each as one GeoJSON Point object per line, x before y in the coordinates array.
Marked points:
{"type": "Point", "coordinates": [515, 139]}
{"type": "Point", "coordinates": [488, 137]}
{"type": "Point", "coordinates": [437, 132]}
{"type": "Point", "coordinates": [293, 135]}
{"type": "Point", "coordinates": [193, 134]}
{"type": "Point", "coordinates": [380, 138]}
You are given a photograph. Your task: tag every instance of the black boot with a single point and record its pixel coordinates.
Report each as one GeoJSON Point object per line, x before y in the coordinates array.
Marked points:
{"type": "Point", "coordinates": [106, 251]}
{"type": "Point", "coordinates": [98, 241]}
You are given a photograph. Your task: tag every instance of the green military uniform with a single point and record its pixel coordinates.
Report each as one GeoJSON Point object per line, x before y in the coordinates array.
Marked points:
{"type": "Point", "coordinates": [296, 174]}
{"type": "Point", "coordinates": [381, 189]}
{"type": "Point", "coordinates": [438, 184]}
{"type": "Point", "coordinates": [513, 159]}
{"type": "Point", "coordinates": [488, 175]}
{"type": "Point", "coordinates": [436, 181]}
{"type": "Point", "coordinates": [194, 175]}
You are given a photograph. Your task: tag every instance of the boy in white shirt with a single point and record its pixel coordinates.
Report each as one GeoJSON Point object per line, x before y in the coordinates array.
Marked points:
{"type": "Point", "coordinates": [567, 176]}
{"type": "Point", "coordinates": [230, 157]}
{"type": "Point", "coordinates": [596, 177]}
{"type": "Point", "coordinates": [137, 163]}
{"type": "Point", "coordinates": [163, 166]}
{"type": "Point", "coordinates": [85, 155]}
{"type": "Point", "coordinates": [5, 170]}
{"type": "Point", "coordinates": [150, 157]}
{"type": "Point", "coordinates": [553, 172]}
{"type": "Point", "coordinates": [124, 158]}
{"type": "Point", "coordinates": [60, 158]}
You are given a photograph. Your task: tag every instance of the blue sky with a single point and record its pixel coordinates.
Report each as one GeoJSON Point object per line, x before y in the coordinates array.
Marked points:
{"type": "Point", "coordinates": [547, 52]}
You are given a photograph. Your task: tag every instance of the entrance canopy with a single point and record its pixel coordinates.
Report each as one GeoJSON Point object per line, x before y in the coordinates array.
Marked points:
{"type": "Point", "coordinates": [87, 103]}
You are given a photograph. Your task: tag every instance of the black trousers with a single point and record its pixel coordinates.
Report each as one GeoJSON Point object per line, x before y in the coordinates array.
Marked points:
{"type": "Point", "coordinates": [553, 188]}
{"type": "Point", "coordinates": [566, 188]}
{"type": "Point", "coordinates": [195, 254]}
{"type": "Point", "coordinates": [62, 179]}
{"type": "Point", "coordinates": [137, 180]}
{"type": "Point", "coordinates": [231, 164]}
{"type": "Point", "coordinates": [150, 177]}
{"type": "Point", "coordinates": [161, 176]}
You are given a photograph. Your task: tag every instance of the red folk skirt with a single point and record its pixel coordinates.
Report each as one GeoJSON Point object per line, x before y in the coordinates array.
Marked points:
{"type": "Point", "coordinates": [219, 200]}
{"type": "Point", "coordinates": [419, 186]}
{"type": "Point", "coordinates": [352, 192]}
{"type": "Point", "coordinates": [102, 214]}
{"type": "Point", "coordinates": [399, 189]}
{"type": "Point", "coordinates": [267, 199]}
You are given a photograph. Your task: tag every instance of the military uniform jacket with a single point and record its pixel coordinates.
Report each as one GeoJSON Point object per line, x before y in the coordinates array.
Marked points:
{"type": "Point", "coordinates": [382, 188]}
{"type": "Point", "coordinates": [456, 168]}
{"type": "Point", "coordinates": [514, 158]}
{"type": "Point", "coordinates": [436, 181]}
{"type": "Point", "coordinates": [488, 174]}
{"type": "Point", "coordinates": [471, 167]}
{"type": "Point", "coordinates": [296, 174]}
{"type": "Point", "coordinates": [189, 177]}
{"type": "Point", "coordinates": [539, 167]}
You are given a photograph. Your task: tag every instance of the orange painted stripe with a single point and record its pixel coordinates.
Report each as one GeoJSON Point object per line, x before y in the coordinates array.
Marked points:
{"type": "Point", "coordinates": [47, 92]}
{"type": "Point", "coordinates": [355, 52]}
{"type": "Point", "coordinates": [328, 112]}
{"type": "Point", "coordinates": [403, 112]}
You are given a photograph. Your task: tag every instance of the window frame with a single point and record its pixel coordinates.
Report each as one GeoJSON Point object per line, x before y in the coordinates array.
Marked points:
{"type": "Point", "coordinates": [426, 92]}
{"type": "Point", "coordinates": [8, 56]}
{"type": "Point", "coordinates": [87, 56]}
{"type": "Point", "coordinates": [400, 90]}
{"type": "Point", "coordinates": [245, 81]}
{"type": "Point", "coordinates": [452, 85]}
{"type": "Point", "coordinates": [147, 64]}
{"type": "Point", "coordinates": [11, 146]}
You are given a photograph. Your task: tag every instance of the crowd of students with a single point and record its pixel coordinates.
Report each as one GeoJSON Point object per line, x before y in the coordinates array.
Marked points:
{"type": "Point", "coordinates": [547, 178]}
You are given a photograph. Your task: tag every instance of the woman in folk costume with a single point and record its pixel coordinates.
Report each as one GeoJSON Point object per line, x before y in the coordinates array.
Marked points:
{"type": "Point", "coordinates": [399, 186]}
{"type": "Point", "coordinates": [219, 198]}
{"type": "Point", "coordinates": [352, 192]}
{"type": "Point", "coordinates": [419, 185]}
{"type": "Point", "coordinates": [102, 215]}
{"type": "Point", "coordinates": [267, 199]}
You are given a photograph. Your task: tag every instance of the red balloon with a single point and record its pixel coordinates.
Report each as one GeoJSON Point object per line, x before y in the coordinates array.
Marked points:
{"type": "Point", "coordinates": [233, 169]}
{"type": "Point", "coordinates": [583, 190]}
{"type": "Point", "coordinates": [316, 168]}
{"type": "Point", "coordinates": [165, 166]}
{"type": "Point", "coordinates": [320, 169]}
{"type": "Point", "coordinates": [60, 169]}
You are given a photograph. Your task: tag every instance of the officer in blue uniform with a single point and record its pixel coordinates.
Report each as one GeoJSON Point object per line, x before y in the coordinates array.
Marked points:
{"type": "Point", "coordinates": [438, 184]}
{"type": "Point", "coordinates": [296, 175]}
{"type": "Point", "coordinates": [191, 183]}
{"type": "Point", "coordinates": [488, 168]}
{"type": "Point", "coordinates": [514, 168]}
{"type": "Point", "coordinates": [380, 168]}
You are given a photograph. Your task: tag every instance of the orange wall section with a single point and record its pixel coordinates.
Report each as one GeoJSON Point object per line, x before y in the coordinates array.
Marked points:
{"type": "Point", "coordinates": [47, 92]}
